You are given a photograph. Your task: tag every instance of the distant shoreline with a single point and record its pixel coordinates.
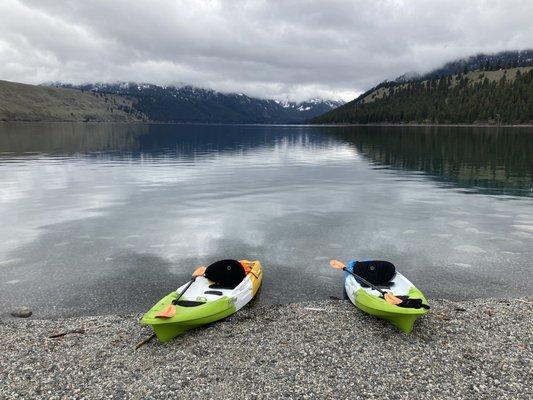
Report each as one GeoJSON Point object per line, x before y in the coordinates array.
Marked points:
{"type": "Point", "coordinates": [435, 125]}
{"type": "Point", "coordinates": [270, 124]}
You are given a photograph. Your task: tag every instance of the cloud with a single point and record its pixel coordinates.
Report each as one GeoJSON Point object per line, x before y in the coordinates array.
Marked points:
{"type": "Point", "coordinates": [278, 49]}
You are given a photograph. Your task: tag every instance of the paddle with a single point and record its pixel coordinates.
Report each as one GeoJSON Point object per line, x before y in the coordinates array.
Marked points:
{"type": "Point", "coordinates": [170, 310]}
{"type": "Point", "coordinates": [389, 297]}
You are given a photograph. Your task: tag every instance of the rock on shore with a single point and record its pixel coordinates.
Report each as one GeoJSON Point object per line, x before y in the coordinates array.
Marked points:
{"type": "Point", "coordinates": [328, 349]}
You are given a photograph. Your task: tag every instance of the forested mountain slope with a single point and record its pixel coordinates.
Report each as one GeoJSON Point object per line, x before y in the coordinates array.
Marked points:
{"type": "Point", "coordinates": [504, 96]}
{"type": "Point", "coordinates": [491, 95]}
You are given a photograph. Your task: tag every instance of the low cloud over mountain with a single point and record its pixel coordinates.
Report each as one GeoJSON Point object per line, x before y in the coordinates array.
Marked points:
{"type": "Point", "coordinates": [285, 50]}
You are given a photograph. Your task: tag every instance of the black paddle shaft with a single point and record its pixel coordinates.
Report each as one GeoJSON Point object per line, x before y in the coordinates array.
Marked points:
{"type": "Point", "coordinates": [175, 301]}
{"type": "Point", "coordinates": [365, 281]}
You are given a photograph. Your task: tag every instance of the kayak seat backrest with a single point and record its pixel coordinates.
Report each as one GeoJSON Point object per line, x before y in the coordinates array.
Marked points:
{"type": "Point", "coordinates": [225, 274]}
{"type": "Point", "coordinates": [376, 272]}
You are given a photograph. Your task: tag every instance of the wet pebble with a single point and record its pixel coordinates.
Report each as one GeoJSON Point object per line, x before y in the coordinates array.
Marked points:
{"type": "Point", "coordinates": [23, 312]}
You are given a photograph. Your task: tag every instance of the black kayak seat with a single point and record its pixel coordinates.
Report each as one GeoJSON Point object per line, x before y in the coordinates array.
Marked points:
{"type": "Point", "coordinates": [226, 274]}
{"type": "Point", "coordinates": [379, 273]}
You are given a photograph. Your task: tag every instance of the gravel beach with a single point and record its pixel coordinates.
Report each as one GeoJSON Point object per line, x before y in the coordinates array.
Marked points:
{"type": "Point", "coordinates": [477, 349]}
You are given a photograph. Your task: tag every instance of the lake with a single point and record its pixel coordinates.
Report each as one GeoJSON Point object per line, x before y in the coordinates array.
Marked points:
{"type": "Point", "coordinates": [107, 218]}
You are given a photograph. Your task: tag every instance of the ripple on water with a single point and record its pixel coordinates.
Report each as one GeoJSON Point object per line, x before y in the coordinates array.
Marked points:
{"type": "Point", "coordinates": [464, 265]}
{"type": "Point", "coordinates": [467, 248]}
{"type": "Point", "coordinates": [526, 228]}
{"type": "Point", "coordinates": [474, 230]}
{"type": "Point", "coordinates": [458, 223]}
{"type": "Point", "coordinates": [522, 235]}
{"type": "Point", "coordinates": [10, 261]}
{"type": "Point", "coordinates": [499, 215]}
{"type": "Point", "coordinates": [525, 216]}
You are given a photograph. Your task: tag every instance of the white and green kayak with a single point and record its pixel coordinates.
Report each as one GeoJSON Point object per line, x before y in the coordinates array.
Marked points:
{"type": "Point", "coordinates": [370, 300]}
{"type": "Point", "coordinates": [224, 288]}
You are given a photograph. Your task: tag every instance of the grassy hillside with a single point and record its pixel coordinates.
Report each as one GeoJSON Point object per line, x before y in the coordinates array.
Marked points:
{"type": "Point", "coordinates": [499, 96]}
{"type": "Point", "coordinates": [21, 102]}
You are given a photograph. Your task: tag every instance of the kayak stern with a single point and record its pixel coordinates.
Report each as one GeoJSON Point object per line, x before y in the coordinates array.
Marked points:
{"type": "Point", "coordinates": [401, 317]}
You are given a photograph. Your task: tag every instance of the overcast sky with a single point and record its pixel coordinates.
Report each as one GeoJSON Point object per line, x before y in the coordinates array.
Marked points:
{"type": "Point", "coordinates": [275, 49]}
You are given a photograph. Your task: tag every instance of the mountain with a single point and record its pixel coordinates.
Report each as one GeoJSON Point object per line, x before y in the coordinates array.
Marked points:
{"type": "Point", "coordinates": [494, 89]}
{"type": "Point", "coordinates": [21, 102]}
{"type": "Point", "coordinates": [482, 62]}
{"type": "Point", "coordinates": [191, 104]}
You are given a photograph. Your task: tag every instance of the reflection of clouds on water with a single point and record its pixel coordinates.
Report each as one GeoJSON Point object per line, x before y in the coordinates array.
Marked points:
{"type": "Point", "coordinates": [47, 192]}
{"type": "Point", "coordinates": [293, 202]}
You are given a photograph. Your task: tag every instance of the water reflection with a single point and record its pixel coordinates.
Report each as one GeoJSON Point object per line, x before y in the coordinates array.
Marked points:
{"type": "Point", "coordinates": [120, 213]}
{"type": "Point", "coordinates": [494, 160]}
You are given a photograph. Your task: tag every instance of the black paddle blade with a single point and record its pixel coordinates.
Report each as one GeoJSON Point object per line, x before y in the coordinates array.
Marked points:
{"type": "Point", "coordinates": [412, 303]}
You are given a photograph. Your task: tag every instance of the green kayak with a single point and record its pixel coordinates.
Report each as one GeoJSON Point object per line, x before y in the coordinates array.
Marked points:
{"type": "Point", "coordinates": [205, 301]}
{"type": "Point", "coordinates": [371, 301]}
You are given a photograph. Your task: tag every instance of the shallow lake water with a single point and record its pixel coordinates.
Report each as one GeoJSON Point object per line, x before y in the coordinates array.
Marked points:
{"type": "Point", "coordinates": [107, 218]}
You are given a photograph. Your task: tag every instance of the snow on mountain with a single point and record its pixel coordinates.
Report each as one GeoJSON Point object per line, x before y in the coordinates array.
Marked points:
{"type": "Point", "coordinates": [186, 103]}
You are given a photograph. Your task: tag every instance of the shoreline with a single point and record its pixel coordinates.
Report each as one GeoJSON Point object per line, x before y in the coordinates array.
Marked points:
{"type": "Point", "coordinates": [465, 349]}
{"type": "Point", "coordinates": [418, 125]}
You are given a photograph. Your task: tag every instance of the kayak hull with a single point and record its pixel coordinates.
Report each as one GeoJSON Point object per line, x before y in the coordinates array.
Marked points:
{"type": "Point", "coordinates": [370, 301]}
{"type": "Point", "coordinates": [186, 318]}
{"type": "Point", "coordinates": [401, 318]}
{"type": "Point", "coordinates": [204, 306]}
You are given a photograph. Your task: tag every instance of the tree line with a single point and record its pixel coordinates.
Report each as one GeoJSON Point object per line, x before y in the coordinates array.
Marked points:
{"type": "Point", "coordinates": [449, 99]}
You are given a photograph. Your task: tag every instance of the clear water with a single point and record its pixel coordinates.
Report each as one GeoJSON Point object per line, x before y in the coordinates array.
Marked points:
{"type": "Point", "coordinates": [107, 218]}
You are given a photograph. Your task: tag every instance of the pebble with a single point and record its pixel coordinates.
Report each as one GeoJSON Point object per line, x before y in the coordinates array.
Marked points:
{"type": "Point", "coordinates": [479, 349]}
{"type": "Point", "coordinates": [23, 312]}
